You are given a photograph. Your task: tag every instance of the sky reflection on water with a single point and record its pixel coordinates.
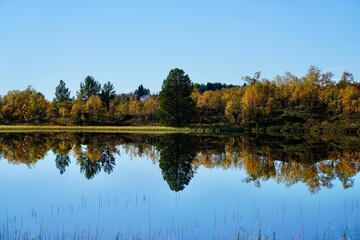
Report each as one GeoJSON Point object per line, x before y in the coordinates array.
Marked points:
{"type": "Point", "coordinates": [135, 200]}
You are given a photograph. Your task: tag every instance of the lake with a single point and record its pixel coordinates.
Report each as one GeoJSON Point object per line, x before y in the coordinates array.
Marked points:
{"type": "Point", "coordinates": [175, 186]}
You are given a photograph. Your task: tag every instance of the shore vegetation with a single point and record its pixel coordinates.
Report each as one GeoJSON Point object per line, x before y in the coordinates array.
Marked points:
{"type": "Point", "coordinates": [286, 103]}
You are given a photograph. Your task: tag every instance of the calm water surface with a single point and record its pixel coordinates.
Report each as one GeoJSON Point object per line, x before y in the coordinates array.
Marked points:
{"type": "Point", "coordinates": [99, 186]}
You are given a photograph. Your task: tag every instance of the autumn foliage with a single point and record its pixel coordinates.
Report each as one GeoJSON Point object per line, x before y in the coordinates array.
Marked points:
{"type": "Point", "coordinates": [287, 100]}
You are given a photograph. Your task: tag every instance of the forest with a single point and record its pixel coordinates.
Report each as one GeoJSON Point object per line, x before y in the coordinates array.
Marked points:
{"type": "Point", "coordinates": [314, 100]}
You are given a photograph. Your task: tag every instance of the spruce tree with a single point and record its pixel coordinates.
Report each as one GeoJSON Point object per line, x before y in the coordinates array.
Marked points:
{"type": "Point", "coordinates": [62, 93]}
{"type": "Point", "coordinates": [107, 94]}
{"type": "Point", "coordinates": [177, 108]}
{"type": "Point", "coordinates": [89, 87]}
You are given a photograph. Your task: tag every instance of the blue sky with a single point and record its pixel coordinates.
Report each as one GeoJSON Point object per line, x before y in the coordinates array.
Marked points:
{"type": "Point", "coordinates": [137, 42]}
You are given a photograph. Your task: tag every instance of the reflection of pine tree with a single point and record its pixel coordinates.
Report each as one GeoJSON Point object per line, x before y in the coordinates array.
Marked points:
{"type": "Point", "coordinates": [89, 168]}
{"type": "Point", "coordinates": [62, 161]}
{"type": "Point", "coordinates": [107, 161]}
{"type": "Point", "coordinates": [176, 155]}
{"type": "Point", "coordinates": [92, 167]}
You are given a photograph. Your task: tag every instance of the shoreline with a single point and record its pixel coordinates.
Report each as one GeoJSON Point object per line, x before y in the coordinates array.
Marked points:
{"type": "Point", "coordinates": [116, 129]}
{"type": "Point", "coordinates": [108, 129]}
{"type": "Point", "coordinates": [289, 129]}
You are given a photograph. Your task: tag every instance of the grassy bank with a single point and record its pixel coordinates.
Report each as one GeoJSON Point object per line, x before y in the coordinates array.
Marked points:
{"type": "Point", "coordinates": [109, 129]}
{"type": "Point", "coordinates": [319, 128]}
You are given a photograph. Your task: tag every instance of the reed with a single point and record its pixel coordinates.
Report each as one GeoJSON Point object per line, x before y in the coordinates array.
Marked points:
{"type": "Point", "coordinates": [10, 232]}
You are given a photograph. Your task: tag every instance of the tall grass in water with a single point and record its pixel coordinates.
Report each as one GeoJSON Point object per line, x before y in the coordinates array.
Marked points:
{"type": "Point", "coordinates": [12, 233]}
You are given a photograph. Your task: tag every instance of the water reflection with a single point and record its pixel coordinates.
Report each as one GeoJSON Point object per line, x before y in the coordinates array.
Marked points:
{"type": "Point", "coordinates": [177, 152]}
{"type": "Point", "coordinates": [314, 161]}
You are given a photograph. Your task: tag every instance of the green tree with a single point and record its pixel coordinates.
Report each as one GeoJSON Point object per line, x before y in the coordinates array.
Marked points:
{"type": "Point", "coordinates": [62, 93]}
{"type": "Point", "coordinates": [89, 88]}
{"type": "Point", "coordinates": [177, 108]}
{"type": "Point", "coordinates": [141, 91]}
{"type": "Point", "coordinates": [107, 94]}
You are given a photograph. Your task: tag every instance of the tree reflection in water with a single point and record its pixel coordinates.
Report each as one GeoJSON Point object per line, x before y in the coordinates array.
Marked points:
{"type": "Point", "coordinates": [62, 161]}
{"type": "Point", "coordinates": [177, 152]}
{"type": "Point", "coordinates": [316, 161]}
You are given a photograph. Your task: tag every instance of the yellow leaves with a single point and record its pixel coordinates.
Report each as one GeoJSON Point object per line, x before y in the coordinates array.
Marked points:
{"type": "Point", "coordinates": [349, 164]}
{"type": "Point", "coordinates": [249, 104]}
{"type": "Point", "coordinates": [63, 112]}
{"type": "Point", "coordinates": [233, 110]}
{"type": "Point", "coordinates": [27, 105]}
{"type": "Point", "coordinates": [76, 112]}
{"type": "Point", "coordinates": [151, 106]}
{"type": "Point", "coordinates": [349, 98]}
{"type": "Point", "coordinates": [252, 164]}
{"type": "Point", "coordinates": [250, 98]}
{"type": "Point", "coordinates": [64, 147]}
{"type": "Point", "coordinates": [37, 108]}
{"type": "Point", "coordinates": [141, 108]}
{"type": "Point", "coordinates": [122, 109]}
{"type": "Point", "coordinates": [210, 99]}
{"type": "Point", "coordinates": [195, 95]}
{"type": "Point", "coordinates": [94, 154]}
{"type": "Point", "coordinates": [93, 108]}
{"type": "Point", "coordinates": [94, 103]}
{"type": "Point", "coordinates": [136, 107]}
{"type": "Point", "coordinates": [138, 110]}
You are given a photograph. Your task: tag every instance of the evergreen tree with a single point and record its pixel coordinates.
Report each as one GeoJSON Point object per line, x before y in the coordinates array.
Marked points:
{"type": "Point", "coordinates": [89, 87]}
{"type": "Point", "coordinates": [62, 93]}
{"type": "Point", "coordinates": [107, 94]}
{"type": "Point", "coordinates": [177, 108]}
{"type": "Point", "coordinates": [141, 91]}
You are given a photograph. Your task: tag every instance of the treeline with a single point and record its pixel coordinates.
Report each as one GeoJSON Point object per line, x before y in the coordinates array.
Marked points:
{"type": "Point", "coordinates": [94, 104]}
{"type": "Point", "coordinates": [314, 99]}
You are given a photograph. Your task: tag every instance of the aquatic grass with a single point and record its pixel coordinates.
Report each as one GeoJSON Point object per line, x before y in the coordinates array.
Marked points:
{"type": "Point", "coordinates": [10, 232]}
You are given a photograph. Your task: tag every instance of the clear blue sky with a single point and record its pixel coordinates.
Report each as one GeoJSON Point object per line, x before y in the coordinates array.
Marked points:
{"type": "Point", "coordinates": [137, 42]}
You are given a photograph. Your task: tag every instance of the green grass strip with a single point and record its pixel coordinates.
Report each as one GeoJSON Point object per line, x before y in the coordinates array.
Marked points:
{"type": "Point", "coordinates": [108, 129]}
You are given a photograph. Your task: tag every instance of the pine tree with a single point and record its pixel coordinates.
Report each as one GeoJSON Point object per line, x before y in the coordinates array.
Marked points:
{"type": "Point", "coordinates": [107, 94]}
{"type": "Point", "coordinates": [177, 108]}
{"type": "Point", "coordinates": [141, 91]}
{"type": "Point", "coordinates": [89, 87]}
{"type": "Point", "coordinates": [62, 93]}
